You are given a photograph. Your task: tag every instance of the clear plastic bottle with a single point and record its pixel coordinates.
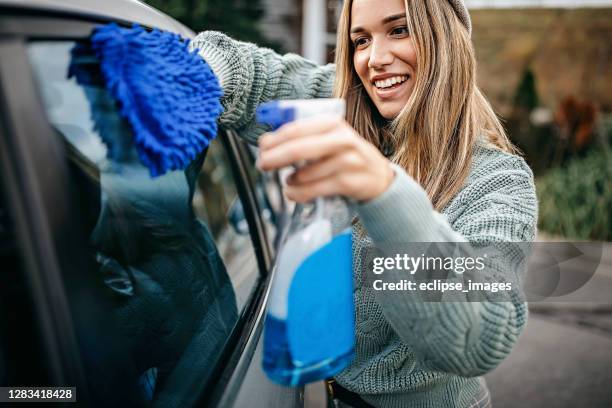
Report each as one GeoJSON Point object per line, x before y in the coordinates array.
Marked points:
{"type": "Point", "coordinates": [309, 328]}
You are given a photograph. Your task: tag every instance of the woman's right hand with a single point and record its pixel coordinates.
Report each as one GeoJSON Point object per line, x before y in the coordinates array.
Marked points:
{"type": "Point", "coordinates": [339, 161]}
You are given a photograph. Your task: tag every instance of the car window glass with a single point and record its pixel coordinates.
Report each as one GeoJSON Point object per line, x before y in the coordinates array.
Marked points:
{"type": "Point", "coordinates": [270, 200]}
{"type": "Point", "coordinates": [217, 204]}
{"type": "Point", "coordinates": [177, 263]}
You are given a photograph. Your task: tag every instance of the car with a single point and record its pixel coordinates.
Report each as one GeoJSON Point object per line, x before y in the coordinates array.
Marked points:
{"type": "Point", "coordinates": [137, 291]}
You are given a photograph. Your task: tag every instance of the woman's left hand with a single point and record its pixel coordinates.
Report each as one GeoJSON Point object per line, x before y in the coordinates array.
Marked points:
{"type": "Point", "coordinates": [338, 160]}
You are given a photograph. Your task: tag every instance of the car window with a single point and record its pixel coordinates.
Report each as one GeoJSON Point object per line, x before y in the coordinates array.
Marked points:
{"type": "Point", "coordinates": [270, 199]}
{"type": "Point", "coordinates": [172, 252]}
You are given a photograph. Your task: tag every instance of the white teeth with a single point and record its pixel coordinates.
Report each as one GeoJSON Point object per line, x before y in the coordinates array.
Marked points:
{"type": "Point", "coordinates": [390, 81]}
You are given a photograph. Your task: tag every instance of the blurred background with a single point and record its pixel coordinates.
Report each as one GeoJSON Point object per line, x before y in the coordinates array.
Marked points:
{"type": "Point", "coordinates": [546, 66]}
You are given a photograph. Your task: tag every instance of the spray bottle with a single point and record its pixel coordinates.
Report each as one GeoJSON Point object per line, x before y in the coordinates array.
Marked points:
{"type": "Point", "coordinates": [309, 328]}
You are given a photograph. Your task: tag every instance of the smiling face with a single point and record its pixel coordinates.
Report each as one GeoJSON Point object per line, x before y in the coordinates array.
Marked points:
{"type": "Point", "coordinates": [384, 57]}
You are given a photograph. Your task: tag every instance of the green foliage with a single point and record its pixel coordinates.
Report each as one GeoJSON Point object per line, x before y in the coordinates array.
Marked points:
{"type": "Point", "coordinates": [576, 201]}
{"type": "Point", "coordinates": [237, 18]}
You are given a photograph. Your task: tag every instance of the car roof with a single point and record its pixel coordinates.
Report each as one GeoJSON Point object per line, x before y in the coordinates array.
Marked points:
{"type": "Point", "coordinates": [129, 11]}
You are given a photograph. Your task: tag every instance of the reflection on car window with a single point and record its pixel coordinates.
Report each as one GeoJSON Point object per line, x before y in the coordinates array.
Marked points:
{"type": "Point", "coordinates": [178, 267]}
{"type": "Point", "coordinates": [217, 204]}
{"type": "Point", "coordinates": [270, 199]}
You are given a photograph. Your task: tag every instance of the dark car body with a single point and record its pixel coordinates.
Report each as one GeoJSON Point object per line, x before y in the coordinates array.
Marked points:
{"type": "Point", "coordinates": [169, 321]}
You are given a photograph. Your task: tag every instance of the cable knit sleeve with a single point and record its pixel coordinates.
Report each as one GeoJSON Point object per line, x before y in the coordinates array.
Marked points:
{"type": "Point", "coordinates": [497, 208]}
{"type": "Point", "coordinates": [251, 75]}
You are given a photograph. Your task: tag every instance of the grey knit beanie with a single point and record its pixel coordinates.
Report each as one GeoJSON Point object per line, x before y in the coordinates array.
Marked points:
{"type": "Point", "coordinates": [462, 13]}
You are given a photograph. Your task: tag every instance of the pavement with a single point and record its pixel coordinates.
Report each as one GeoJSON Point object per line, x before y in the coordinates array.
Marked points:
{"type": "Point", "coordinates": [564, 356]}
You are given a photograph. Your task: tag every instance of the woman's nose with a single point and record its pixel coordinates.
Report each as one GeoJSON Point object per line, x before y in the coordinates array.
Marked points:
{"type": "Point", "coordinates": [380, 55]}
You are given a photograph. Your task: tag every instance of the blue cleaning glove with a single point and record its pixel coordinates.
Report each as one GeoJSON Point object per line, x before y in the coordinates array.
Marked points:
{"type": "Point", "coordinates": [169, 95]}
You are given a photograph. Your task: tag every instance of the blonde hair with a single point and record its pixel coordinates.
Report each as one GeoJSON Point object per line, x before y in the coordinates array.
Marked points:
{"type": "Point", "coordinates": [433, 136]}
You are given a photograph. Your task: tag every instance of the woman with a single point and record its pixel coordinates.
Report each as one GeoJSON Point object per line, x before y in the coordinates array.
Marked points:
{"type": "Point", "coordinates": [425, 159]}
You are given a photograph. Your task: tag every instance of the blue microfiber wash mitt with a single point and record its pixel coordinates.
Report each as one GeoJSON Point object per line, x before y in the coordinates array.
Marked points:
{"type": "Point", "coordinates": [169, 95]}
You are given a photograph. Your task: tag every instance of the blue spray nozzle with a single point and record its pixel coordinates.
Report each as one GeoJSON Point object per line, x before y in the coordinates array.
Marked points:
{"type": "Point", "coordinates": [277, 113]}
{"type": "Point", "coordinates": [274, 115]}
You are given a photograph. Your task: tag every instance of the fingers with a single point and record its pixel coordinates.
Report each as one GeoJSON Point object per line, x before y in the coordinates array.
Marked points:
{"type": "Point", "coordinates": [341, 184]}
{"type": "Point", "coordinates": [309, 191]}
{"type": "Point", "coordinates": [306, 148]}
{"type": "Point", "coordinates": [349, 161]}
{"type": "Point", "coordinates": [335, 160]}
{"type": "Point", "coordinates": [299, 128]}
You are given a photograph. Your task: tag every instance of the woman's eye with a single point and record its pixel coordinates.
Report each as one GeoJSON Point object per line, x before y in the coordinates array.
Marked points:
{"type": "Point", "coordinates": [359, 42]}
{"type": "Point", "coordinates": [403, 30]}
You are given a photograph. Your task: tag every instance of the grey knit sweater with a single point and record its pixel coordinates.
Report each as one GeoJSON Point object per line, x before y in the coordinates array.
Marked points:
{"type": "Point", "coordinates": [408, 353]}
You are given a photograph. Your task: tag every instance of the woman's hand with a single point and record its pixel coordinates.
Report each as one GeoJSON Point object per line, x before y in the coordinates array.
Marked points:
{"type": "Point", "coordinates": [338, 160]}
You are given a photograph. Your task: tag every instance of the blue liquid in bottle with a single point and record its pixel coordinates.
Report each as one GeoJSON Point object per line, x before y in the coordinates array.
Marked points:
{"type": "Point", "coordinates": [316, 341]}
{"type": "Point", "coordinates": [280, 367]}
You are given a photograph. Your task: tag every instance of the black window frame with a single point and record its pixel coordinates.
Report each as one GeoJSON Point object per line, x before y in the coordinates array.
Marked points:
{"type": "Point", "coordinates": [28, 149]}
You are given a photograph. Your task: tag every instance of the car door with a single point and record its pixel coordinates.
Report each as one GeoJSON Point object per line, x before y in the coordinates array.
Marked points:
{"type": "Point", "coordinates": [137, 291]}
